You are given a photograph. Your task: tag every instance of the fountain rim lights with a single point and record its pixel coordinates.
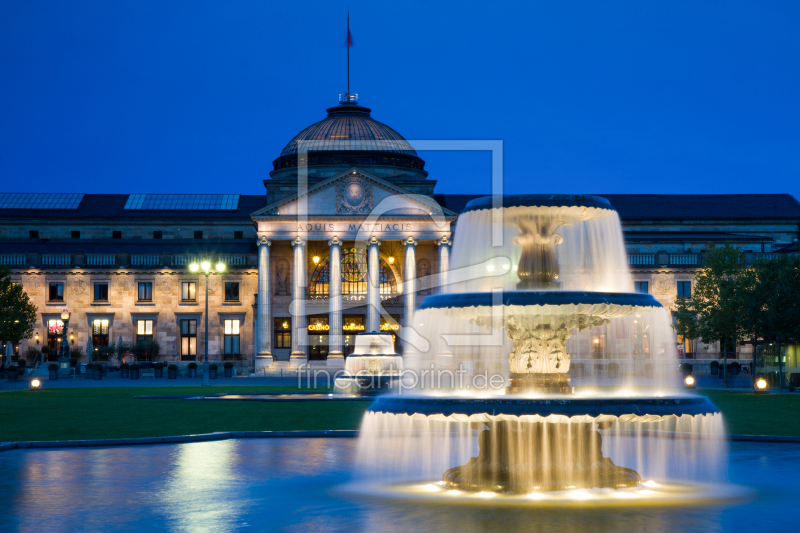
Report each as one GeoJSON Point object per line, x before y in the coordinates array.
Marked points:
{"type": "Point", "coordinates": [624, 409]}
{"type": "Point", "coordinates": [539, 200]}
{"type": "Point", "coordinates": [525, 298]}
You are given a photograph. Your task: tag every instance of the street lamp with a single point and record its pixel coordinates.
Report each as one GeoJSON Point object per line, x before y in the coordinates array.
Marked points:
{"type": "Point", "coordinates": [206, 266]}
{"type": "Point", "coordinates": [63, 352]}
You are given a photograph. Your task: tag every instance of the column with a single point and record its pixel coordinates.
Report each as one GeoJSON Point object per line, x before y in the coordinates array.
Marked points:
{"type": "Point", "coordinates": [373, 285]}
{"type": "Point", "coordinates": [263, 330]}
{"type": "Point", "coordinates": [299, 332]}
{"type": "Point", "coordinates": [335, 354]}
{"type": "Point", "coordinates": [444, 262]}
{"type": "Point", "coordinates": [410, 280]}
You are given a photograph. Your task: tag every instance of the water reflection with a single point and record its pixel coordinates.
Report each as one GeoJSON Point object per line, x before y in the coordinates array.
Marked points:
{"type": "Point", "coordinates": [294, 485]}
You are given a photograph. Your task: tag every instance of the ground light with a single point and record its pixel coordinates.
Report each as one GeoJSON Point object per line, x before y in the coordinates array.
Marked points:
{"type": "Point", "coordinates": [690, 382]}
{"type": "Point", "coordinates": [35, 384]}
{"type": "Point", "coordinates": [761, 385]}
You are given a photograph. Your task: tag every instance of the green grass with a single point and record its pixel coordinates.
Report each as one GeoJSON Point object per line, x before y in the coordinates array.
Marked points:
{"type": "Point", "coordinates": [747, 413]}
{"type": "Point", "coordinates": [112, 413]}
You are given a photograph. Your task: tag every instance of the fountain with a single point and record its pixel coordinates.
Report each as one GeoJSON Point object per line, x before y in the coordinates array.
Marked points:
{"type": "Point", "coordinates": [373, 367]}
{"type": "Point", "coordinates": [558, 269]}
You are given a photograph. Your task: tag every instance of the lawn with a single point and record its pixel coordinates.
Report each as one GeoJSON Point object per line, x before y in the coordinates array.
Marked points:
{"type": "Point", "coordinates": [108, 413]}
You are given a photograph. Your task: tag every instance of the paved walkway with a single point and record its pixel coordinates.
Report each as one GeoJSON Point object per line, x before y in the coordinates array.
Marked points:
{"type": "Point", "coordinates": [243, 381]}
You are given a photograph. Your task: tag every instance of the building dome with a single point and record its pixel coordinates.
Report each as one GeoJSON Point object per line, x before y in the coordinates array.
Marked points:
{"type": "Point", "coordinates": [349, 137]}
{"type": "Point", "coordinates": [352, 124]}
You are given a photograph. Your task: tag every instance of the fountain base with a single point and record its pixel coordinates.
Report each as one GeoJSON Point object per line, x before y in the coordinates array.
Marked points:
{"type": "Point", "coordinates": [555, 383]}
{"type": "Point", "coordinates": [526, 457]}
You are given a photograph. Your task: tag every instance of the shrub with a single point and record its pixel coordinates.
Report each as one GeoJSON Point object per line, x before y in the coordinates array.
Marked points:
{"type": "Point", "coordinates": [193, 365]}
{"type": "Point", "coordinates": [714, 364]}
{"type": "Point", "coordinates": [146, 349]}
{"type": "Point", "coordinates": [228, 365]}
{"type": "Point", "coordinates": [76, 353]}
{"type": "Point", "coordinates": [158, 366]}
{"type": "Point", "coordinates": [20, 370]}
{"type": "Point", "coordinates": [21, 363]}
{"type": "Point", "coordinates": [31, 354]}
{"type": "Point", "coordinates": [52, 367]}
{"type": "Point", "coordinates": [737, 365]}
{"type": "Point", "coordinates": [73, 362]}
{"type": "Point", "coordinates": [686, 367]}
{"type": "Point", "coordinates": [105, 352]}
{"type": "Point", "coordinates": [11, 368]}
{"type": "Point", "coordinates": [134, 366]}
{"type": "Point", "coordinates": [125, 366]}
{"type": "Point", "coordinates": [45, 350]}
{"type": "Point", "coordinates": [172, 367]}
{"type": "Point", "coordinates": [212, 366]}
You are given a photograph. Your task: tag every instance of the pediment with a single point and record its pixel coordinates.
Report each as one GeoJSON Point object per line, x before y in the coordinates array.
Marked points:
{"type": "Point", "coordinates": [354, 193]}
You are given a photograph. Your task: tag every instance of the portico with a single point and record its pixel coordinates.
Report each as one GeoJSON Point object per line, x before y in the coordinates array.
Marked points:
{"type": "Point", "coordinates": [359, 251]}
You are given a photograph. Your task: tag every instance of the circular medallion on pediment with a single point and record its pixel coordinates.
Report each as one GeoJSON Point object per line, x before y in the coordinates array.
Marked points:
{"type": "Point", "coordinates": [33, 285]}
{"type": "Point", "coordinates": [663, 284]}
{"type": "Point", "coordinates": [78, 286]}
{"type": "Point", "coordinates": [124, 285]}
{"type": "Point", "coordinates": [166, 285]}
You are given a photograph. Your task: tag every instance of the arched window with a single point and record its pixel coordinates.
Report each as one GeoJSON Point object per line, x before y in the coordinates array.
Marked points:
{"type": "Point", "coordinates": [354, 276]}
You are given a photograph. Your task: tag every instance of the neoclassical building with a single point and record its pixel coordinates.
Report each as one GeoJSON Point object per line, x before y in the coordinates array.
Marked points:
{"type": "Point", "coordinates": [349, 236]}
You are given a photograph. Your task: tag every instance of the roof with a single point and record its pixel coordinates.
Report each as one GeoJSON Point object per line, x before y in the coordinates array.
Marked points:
{"type": "Point", "coordinates": [349, 127]}
{"type": "Point", "coordinates": [112, 206]}
{"type": "Point", "coordinates": [678, 206]}
{"type": "Point", "coordinates": [128, 246]}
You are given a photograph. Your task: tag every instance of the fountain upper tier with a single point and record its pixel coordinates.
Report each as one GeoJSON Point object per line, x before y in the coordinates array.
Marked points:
{"type": "Point", "coordinates": [571, 242]}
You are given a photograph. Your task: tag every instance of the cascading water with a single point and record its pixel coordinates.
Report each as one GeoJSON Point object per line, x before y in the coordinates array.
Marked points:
{"type": "Point", "coordinates": [493, 407]}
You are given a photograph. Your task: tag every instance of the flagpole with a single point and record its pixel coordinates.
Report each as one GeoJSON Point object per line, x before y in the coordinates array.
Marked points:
{"type": "Point", "coordinates": [348, 57]}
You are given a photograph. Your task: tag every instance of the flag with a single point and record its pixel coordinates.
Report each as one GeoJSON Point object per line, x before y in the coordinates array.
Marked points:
{"type": "Point", "coordinates": [349, 38]}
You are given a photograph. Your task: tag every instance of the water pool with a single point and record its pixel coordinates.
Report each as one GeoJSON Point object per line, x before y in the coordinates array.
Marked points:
{"type": "Point", "coordinates": [296, 485]}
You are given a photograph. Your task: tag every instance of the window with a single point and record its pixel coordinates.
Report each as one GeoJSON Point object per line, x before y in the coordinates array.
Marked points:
{"type": "Point", "coordinates": [55, 329]}
{"type": "Point", "coordinates": [189, 291]}
{"type": "Point", "coordinates": [33, 234]}
{"type": "Point", "coordinates": [198, 234]}
{"type": "Point", "coordinates": [116, 234]}
{"type": "Point", "coordinates": [352, 325]}
{"type": "Point", "coordinates": [231, 291]}
{"type": "Point", "coordinates": [144, 330]}
{"type": "Point", "coordinates": [641, 287]}
{"type": "Point", "coordinates": [283, 333]}
{"type": "Point", "coordinates": [354, 276]}
{"type": "Point", "coordinates": [685, 289]}
{"type": "Point", "coordinates": [157, 234]}
{"type": "Point", "coordinates": [99, 333]}
{"type": "Point", "coordinates": [56, 293]}
{"type": "Point", "coordinates": [101, 292]}
{"type": "Point", "coordinates": [318, 337]}
{"type": "Point", "coordinates": [238, 235]}
{"type": "Point", "coordinates": [76, 234]}
{"type": "Point", "coordinates": [145, 291]}
{"type": "Point", "coordinates": [188, 340]}
{"type": "Point", "coordinates": [231, 337]}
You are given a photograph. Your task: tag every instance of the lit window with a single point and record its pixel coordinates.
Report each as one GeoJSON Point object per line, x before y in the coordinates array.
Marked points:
{"type": "Point", "coordinates": [188, 291]}
{"type": "Point", "coordinates": [144, 330]}
{"type": "Point", "coordinates": [283, 333]}
{"type": "Point", "coordinates": [99, 333]}
{"type": "Point", "coordinates": [188, 339]}
{"type": "Point", "coordinates": [231, 337]}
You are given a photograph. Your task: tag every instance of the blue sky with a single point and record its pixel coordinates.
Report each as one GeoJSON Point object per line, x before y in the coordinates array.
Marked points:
{"type": "Point", "coordinates": [200, 96]}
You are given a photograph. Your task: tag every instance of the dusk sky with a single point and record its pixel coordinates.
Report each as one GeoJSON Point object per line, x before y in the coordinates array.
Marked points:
{"type": "Point", "coordinates": [587, 96]}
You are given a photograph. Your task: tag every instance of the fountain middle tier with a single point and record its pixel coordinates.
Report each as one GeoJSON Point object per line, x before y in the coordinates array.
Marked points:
{"type": "Point", "coordinates": [539, 323]}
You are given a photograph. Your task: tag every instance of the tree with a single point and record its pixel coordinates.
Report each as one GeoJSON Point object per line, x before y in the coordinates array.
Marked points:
{"type": "Point", "coordinates": [714, 312]}
{"type": "Point", "coordinates": [771, 309]}
{"type": "Point", "coordinates": [17, 313]}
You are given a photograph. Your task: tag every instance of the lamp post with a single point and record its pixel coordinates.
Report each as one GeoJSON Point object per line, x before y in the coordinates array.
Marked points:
{"type": "Point", "coordinates": [206, 266]}
{"type": "Point", "coordinates": [63, 352]}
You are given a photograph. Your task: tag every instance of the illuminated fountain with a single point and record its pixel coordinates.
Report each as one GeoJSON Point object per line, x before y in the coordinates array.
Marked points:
{"type": "Point", "coordinates": [373, 367]}
{"type": "Point", "coordinates": [556, 267]}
